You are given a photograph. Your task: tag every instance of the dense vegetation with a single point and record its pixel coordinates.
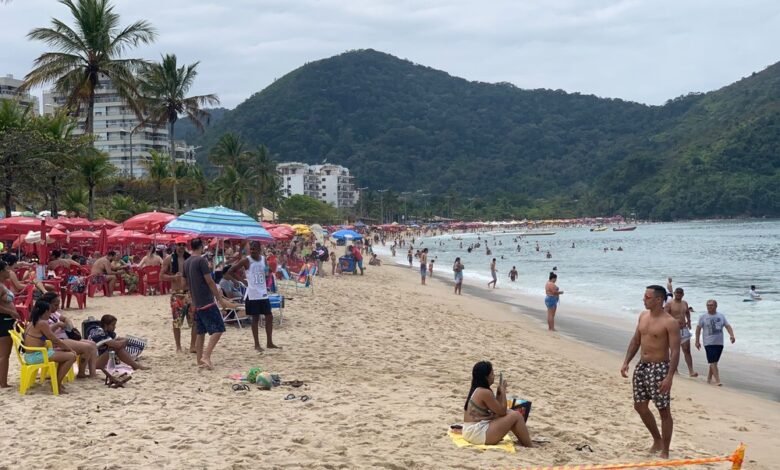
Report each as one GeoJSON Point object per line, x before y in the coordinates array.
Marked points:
{"type": "Point", "coordinates": [493, 150]}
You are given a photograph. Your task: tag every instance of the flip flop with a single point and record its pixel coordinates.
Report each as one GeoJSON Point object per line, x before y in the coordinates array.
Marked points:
{"type": "Point", "coordinates": [305, 398]}
{"type": "Point", "coordinates": [584, 447]}
{"type": "Point", "coordinates": [290, 397]}
{"type": "Point", "coordinates": [293, 383]}
{"type": "Point", "coordinates": [240, 387]}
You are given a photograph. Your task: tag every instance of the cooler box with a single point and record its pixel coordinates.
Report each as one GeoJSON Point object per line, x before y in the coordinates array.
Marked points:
{"type": "Point", "coordinates": [347, 264]}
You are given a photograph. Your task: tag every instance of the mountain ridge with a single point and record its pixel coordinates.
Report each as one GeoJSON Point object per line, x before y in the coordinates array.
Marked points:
{"type": "Point", "coordinates": [405, 126]}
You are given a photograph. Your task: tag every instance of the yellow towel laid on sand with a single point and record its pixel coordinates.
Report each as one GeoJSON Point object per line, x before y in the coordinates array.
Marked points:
{"type": "Point", "coordinates": [506, 444]}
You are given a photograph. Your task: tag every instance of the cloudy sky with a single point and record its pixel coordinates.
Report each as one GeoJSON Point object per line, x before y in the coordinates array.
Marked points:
{"type": "Point", "coordinates": [641, 50]}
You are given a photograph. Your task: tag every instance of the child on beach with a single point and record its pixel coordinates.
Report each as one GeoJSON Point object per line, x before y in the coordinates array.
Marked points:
{"type": "Point", "coordinates": [430, 268]}
{"type": "Point", "coordinates": [333, 263]}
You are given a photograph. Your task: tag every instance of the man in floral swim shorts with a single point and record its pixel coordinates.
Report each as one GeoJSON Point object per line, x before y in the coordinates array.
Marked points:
{"type": "Point", "coordinates": [656, 334]}
{"type": "Point", "coordinates": [181, 304]}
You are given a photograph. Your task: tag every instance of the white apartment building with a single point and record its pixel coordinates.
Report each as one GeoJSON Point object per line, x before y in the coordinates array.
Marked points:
{"type": "Point", "coordinates": [116, 134]}
{"type": "Point", "coordinates": [9, 90]}
{"type": "Point", "coordinates": [329, 183]}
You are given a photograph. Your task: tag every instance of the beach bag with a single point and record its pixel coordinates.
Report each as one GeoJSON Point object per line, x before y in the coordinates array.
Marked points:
{"type": "Point", "coordinates": [521, 406]}
{"type": "Point", "coordinates": [135, 346]}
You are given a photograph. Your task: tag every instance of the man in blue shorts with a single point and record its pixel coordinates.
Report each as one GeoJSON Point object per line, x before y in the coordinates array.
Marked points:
{"type": "Point", "coordinates": [207, 298]}
{"type": "Point", "coordinates": [712, 323]}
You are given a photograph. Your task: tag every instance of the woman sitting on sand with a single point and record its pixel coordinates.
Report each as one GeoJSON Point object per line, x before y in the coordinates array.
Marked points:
{"type": "Point", "coordinates": [36, 335]}
{"type": "Point", "coordinates": [106, 331]}
{"type": "Point", "coordinates": [60, 325]}
{"type": "Point", "coordinates": [486, 418]}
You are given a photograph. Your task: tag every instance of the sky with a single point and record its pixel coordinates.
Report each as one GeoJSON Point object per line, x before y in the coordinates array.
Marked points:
{"type": "Point", "coordinates": [640, 50]}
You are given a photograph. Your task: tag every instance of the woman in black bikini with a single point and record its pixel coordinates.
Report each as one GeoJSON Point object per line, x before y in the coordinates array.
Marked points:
{"type": "Point", "coordinates": [486, 417]}
{"type": "Point", "coordinates": [8, 316]}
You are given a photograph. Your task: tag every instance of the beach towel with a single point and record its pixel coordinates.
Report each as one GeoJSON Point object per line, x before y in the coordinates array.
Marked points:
{"type": "Point", "coordinates": [506, 444]}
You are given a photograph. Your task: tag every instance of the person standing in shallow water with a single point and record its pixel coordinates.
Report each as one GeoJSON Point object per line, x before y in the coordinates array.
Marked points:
{"type": "Point", "coordinates": [657, 333]}
{"type": "Point", "coordinates": [493, 273]}
{"type": "Point", "coordinates": [552, 295]}
{"type": "Point", "coordinates": [457, 268]}
{"type": "Point", "coordinates": [423, 265]}
{"type": "Point", "coordinates": [678, 308]}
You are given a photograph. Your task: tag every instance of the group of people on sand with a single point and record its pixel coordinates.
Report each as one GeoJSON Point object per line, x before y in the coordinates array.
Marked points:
{"type": "Point", "coordinates": [196, 298]}
{"type": "Point", "coordinates": [48, 323]}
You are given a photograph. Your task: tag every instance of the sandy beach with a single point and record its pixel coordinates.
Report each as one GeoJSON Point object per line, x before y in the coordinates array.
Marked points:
{"type": "Point", "coordinates": [387, 365]}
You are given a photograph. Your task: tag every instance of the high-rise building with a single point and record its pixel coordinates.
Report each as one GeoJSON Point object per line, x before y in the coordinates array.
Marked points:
{"type": "Point", "coordinates": [116, 132]}
{"type": "Point", "coordinates": [329, 183]}
{"type": "Point", "coordinates": [9, 90]}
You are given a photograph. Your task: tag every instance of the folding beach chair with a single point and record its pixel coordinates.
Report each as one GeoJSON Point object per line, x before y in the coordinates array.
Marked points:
{"type": "Point", "coordinates": [277, 309]}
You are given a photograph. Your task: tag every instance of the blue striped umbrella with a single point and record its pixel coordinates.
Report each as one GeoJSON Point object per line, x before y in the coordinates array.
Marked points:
{"type": "Point", "coordinates": [219, 222]}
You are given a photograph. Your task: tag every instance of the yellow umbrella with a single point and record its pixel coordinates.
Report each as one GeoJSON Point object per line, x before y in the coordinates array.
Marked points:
{"type": "Point", "coordinates": [301, 229]}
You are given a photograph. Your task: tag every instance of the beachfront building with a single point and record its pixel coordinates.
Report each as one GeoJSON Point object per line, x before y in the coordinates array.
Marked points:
{"type": "Point", "coordinates": [329, 183]}
{"type": "Point", "coordinates": [116, 132]}
{"type": "Point", "coordinates": [9, 90]}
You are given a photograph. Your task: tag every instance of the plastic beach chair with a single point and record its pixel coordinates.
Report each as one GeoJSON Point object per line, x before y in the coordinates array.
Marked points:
{"type": "Point", "coordinates": [29, 371]}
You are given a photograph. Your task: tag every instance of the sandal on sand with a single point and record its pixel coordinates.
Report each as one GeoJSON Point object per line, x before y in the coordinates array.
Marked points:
{"type": "Point", "coordinates": [303, 398]}
{"type": "Point", "coordinates": [293, 383]}
{"type": "Point", "coordinates": [117, 381]}
{"type": "Point", "coordinates": [584, 447]}
{"type": "Point", "coordinates": [240, 387]}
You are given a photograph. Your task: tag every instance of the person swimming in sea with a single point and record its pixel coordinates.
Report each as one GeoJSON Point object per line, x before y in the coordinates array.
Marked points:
{"type": "Point", "coordinates": [753, 294]}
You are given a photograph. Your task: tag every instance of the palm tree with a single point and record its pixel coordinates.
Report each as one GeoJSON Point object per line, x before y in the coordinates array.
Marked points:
{"type": "Point", "coordinates": [163, 87]}
{"type": "Point", "coordinates": [228, 151]}
{"type": "Point", "coordinates": [75, 200]}
{"type": "Point", "coordinates": [263, 170]}
{"type": "Point", "coordinates": [87, 52]}
{"type": "Point", "coordinates": [121, 208]}
{"type": "Point", "coordinates": [94, 169]}
{"type": "Point", "coordinates": [159, 171]}
{"type": "Point", "coordinates": [231, 187]}
{"type": "Point", "coordinates": [61, 157]}
{"type": "Point", "coordinates": [15, 127]}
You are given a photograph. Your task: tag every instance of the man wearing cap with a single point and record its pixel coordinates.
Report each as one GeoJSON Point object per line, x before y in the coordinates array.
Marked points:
{"type": "Point", "coordinates": [181, 304]}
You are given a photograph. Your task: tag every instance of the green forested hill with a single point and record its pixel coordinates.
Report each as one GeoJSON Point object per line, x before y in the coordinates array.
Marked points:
{"type": "Point", "coordinates": [407, 127]}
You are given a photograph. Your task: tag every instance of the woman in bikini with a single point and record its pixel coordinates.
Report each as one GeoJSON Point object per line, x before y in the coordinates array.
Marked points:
{"type": "Point", "coordinates": [36, 335]}
{"type": "Point", "coordinates": [486, 417]}
{"type": "Point", "coordinates": [60, 324]}
{"type": "Point", "coordinates": [8, 316]}
{"type": "Point", "coordinates": [552, 295]}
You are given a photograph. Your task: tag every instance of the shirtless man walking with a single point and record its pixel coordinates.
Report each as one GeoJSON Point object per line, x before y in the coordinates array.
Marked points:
{"type": "Point", "coordinates": [678, 308]}
{"type": "Point", "coordinates": [181, 303]}
{"type": "Point", "coordinates": [493, 273]}
{"type": "Point", "coordinates": [656, 334]}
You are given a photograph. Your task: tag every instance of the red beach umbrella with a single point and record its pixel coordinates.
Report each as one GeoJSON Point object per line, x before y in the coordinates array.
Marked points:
{"type": "Point", "coordinates": [123, 237]}
{"type": "Point", "coordinates": [74, 223]}
{"type": "Point", "coordinates": [13, 226]}
{"type": "Point", "coordinates": [102, 246]}
{"type": "Point", "coordinates": [104, 223]}
{"type": "Point", "coordinates": [148, 222]}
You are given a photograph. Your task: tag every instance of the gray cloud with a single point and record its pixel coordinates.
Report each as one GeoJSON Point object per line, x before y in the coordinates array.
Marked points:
{"type": "Point", "coordinates": [641, 50]}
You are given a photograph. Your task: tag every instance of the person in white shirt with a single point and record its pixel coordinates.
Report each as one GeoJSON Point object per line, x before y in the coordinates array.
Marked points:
{"type": "Point", "coordinates": [256, 297]}
{"type": "Point", "coordinates": [753, 294]}
{"type": "Point", "coordinates": [713, 323]}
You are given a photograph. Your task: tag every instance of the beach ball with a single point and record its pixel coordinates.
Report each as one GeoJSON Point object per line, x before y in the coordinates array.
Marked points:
{"type": "Point", "coordinates": [251, 376]}
{"type": "Point", "coordinates": [264, 380]}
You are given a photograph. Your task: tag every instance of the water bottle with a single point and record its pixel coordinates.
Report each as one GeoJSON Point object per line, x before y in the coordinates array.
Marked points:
{"type": "Point", "coordinates": [112, 360]}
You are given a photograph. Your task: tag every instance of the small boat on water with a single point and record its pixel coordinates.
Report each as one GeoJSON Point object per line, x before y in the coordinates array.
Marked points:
{"type": "Point", "coordinates": [599, 229]}
{"type": "Point", "coordinates": [624, 229]}
{"type": "Point", "coordinates": [534, 234]}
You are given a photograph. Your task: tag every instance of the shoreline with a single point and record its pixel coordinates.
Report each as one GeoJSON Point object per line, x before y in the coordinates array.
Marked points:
{"type": "Point", "coordinates": [749, 374]}
{"type": "Point", "coordinates": [750, 407]}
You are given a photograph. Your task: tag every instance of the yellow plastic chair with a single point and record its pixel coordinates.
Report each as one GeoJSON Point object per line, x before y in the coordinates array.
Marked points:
{"type": "Point", "coordinates": [19, 328]}
{"type": "Point", "coordinates": [30, 371]}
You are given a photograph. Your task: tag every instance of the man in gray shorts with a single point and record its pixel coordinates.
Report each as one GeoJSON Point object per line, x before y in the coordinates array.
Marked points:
{"type": "Point", "coordinates": [679, 309]}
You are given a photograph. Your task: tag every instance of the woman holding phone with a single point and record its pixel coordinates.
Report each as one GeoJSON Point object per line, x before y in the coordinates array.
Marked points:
{"type": "Point", "coordinates": [486, 419]}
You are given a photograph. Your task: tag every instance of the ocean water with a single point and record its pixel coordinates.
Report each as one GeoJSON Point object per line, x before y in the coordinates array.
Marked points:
{"type": "Point", "coordinates": [709, 259]}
